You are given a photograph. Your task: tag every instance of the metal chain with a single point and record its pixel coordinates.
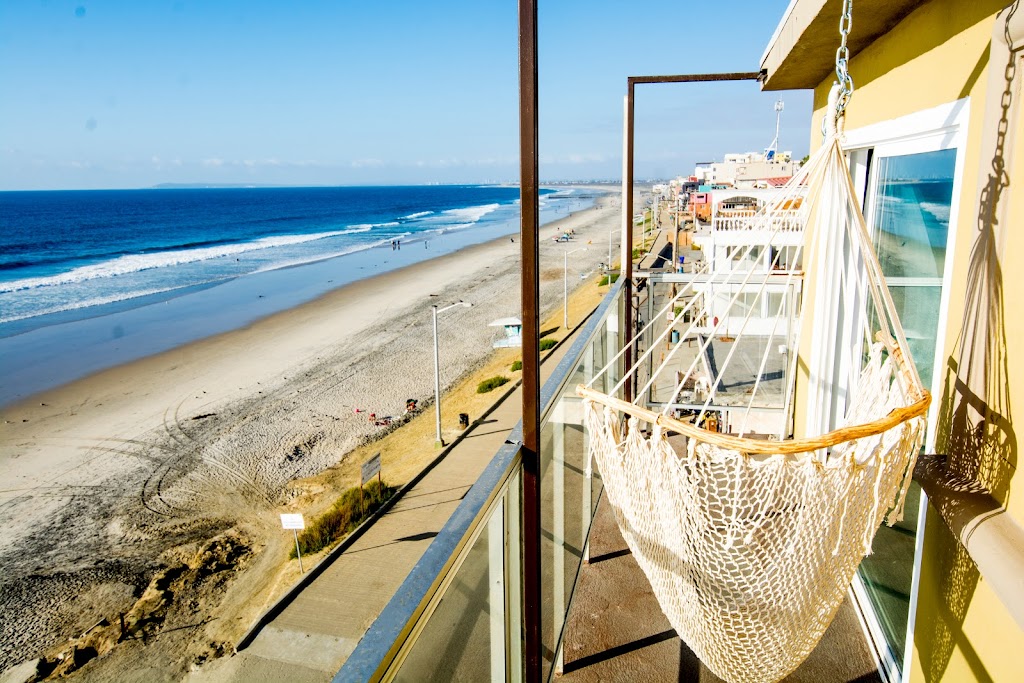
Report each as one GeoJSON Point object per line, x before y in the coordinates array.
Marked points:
{"type": "Point", "coordinates": [843, 58]}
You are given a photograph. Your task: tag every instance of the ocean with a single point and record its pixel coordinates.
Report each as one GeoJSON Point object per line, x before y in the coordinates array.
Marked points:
{"type": "Point", "coordinates": [76, 264]}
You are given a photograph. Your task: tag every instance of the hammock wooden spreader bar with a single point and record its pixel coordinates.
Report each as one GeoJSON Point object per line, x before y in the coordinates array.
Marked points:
{"type": "Point", "coordinates": [758, 446]}
{"type": "Point", "coordinates": [788, 446]}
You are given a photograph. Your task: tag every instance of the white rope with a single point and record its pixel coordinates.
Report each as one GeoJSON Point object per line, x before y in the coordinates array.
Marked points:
{"type": "Point", "coordinates": [750, 556]}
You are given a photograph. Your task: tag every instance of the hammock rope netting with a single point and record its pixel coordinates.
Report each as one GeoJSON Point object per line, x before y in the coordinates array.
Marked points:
{"type": "Point", "coordinates": [751, 538]}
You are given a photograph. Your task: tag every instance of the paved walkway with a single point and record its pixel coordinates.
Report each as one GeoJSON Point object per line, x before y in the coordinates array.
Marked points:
{"type": "Point", "coordinates": [314, 635]}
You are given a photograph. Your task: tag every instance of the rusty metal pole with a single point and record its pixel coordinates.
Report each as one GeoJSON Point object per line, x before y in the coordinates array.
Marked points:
{"type": "Point", "coordinates": [529, 240]}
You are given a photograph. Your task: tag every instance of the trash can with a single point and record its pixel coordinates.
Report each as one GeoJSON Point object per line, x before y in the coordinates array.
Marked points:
{"type": "Point", "coordinates": [675, 336]}
{"type": "Point", "coordinates": [464, 420]}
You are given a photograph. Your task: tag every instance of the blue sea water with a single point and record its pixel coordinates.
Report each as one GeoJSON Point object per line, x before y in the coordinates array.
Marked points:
{"type": "Point", "coordinates": [62, 251]}
{"type": "Point", "coordinates": [82, 272]}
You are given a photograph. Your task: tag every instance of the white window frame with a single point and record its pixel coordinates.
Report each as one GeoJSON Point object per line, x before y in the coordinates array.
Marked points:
{"type": "Point", "coordinates": [938, 128]}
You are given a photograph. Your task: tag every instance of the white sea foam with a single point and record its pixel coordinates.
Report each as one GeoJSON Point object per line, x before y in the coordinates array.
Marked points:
{"type": "Point", "coordinates": [316, 258]}
{"type": "Point", "coordinates": [938, 210]}
{"type": "Point", "coordinates": [470, 214]}
{"type": "Point", "coordinates": [363, 227]}
{"type": "Point", "coordinates": [418, 214]}
{"type": "Point", "coordinates": [133, 263]}
{"type": "Point", "coordinates": [334, 254]}
{"type": "Point", "coordinates": [86, 303]}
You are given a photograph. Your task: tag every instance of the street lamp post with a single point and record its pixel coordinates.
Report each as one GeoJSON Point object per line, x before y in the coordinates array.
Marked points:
{"type": "Point", "coordinates": [565, 286]}
{"type": "Point", "coordinates": [437, 370]}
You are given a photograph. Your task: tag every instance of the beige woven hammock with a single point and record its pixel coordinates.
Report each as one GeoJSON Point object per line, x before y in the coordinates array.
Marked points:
{"type": "Point", "coordinates": [750, 544]}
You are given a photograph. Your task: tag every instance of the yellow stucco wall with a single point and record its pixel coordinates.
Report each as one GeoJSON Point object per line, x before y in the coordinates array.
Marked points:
{"type": "Point", "coordinates": [941, 53]}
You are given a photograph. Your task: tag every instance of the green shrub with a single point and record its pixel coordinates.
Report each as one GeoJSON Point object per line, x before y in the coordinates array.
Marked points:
{"type": "Point", "coordinates": [491, 384]}
{"type": "Point", "coordinates": [343, 517]}
{"type": "Point", "coordinates": [604, 280]}
{"type": "Point", "coordinates": [517, 365]}
{"type": "Point", "coordinates": [546, 344]}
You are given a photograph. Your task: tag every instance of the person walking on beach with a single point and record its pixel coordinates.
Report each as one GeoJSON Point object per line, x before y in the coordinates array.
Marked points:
{"type": "Point", "coordinates": [392, 245]}
{"type": "Point", "coordinates": [399, 243]}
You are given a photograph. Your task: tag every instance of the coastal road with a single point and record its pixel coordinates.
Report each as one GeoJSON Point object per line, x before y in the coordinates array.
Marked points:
{"type": "Point", "coordinates": [314, 635]}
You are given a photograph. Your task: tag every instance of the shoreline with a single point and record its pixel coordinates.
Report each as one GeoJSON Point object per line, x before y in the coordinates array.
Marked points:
{"type": "Point", "coordinates": [72, 345]}
{"type": "Point", "coordinates": [167, 451]}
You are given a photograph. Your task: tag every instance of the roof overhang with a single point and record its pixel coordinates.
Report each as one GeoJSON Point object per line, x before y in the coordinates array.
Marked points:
{"type": "Point", "coordinates": [802, 51]}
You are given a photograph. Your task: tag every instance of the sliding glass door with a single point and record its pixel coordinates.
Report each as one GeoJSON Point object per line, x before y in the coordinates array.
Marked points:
{"type": "Point", "coordinates": [909, 185]}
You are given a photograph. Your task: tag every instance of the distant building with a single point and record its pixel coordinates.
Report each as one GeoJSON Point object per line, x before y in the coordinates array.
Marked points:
{"type": "Point", "coordinates": [748, 170]}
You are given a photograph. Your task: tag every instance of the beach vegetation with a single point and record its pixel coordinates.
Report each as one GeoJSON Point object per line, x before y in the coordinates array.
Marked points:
{"type": "Point", "coordinates": [517, 365]}
{"type": "Point", "coordinates": [605, 280]}
{"type": "Point", "coordinates": [344, 516]}
{"type": "Point", "coordinates": [546, 344]}
{"type": "Point", "coordinates": [491, 383]}
{"type": "Point", "coordinates": [638, 253]}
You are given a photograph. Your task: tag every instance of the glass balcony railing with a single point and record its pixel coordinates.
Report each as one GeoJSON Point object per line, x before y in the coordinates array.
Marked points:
{"type": "Point", "coordinates": [458, 616]}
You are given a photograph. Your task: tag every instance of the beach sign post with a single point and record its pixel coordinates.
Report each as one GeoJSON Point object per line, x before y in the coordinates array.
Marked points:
{"type": "Point", "coordinates": [294, 522]}
{"type": "Point", "coordinates": [370, 468]}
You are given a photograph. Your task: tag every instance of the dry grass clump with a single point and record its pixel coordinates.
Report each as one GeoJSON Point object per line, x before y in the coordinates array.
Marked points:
{"type": "Point", "coordinates": [344, 516]}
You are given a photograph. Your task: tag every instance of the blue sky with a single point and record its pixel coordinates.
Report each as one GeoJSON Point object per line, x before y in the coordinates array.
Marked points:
{"type": "Point", "coordinates": [132, 94]}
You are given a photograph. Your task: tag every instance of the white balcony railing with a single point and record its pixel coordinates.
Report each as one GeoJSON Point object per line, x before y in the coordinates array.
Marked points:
{"type": "Point", "coordinates": [736, 221]}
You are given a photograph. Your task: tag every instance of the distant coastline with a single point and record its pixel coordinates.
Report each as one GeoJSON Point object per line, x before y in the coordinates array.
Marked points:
{"type": "Point", "coordinates": [213, 186]}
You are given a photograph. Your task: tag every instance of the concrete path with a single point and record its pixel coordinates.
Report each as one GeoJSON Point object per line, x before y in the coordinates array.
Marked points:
{"type": "Point", "coordinates": [314, 635]}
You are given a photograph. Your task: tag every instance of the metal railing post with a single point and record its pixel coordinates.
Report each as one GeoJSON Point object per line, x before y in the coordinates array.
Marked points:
{"type": "Point", "coordinates": [529, 180]}
{"type": "Point", "coordinates": [629, 319]}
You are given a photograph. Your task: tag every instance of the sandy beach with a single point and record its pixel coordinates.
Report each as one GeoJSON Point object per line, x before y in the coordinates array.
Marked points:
{"type": "Point", "coordinates": [111, 479]}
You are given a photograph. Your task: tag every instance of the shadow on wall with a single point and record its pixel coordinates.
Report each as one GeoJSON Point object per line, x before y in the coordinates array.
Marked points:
{"type": "Point", "coordinates": [974, 429]}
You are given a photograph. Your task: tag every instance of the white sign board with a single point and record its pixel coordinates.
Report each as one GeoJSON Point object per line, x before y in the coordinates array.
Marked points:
{"type": "Point", "coordinates": [292, 522]}
{"type": "Point", "coordinates": [370, 468]}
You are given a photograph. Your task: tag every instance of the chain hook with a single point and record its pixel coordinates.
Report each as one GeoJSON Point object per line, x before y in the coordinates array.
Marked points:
{"type": "Point", "coordinates": [844, 83]}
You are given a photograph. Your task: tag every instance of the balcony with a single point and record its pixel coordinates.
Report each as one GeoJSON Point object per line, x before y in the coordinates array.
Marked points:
{"type": "Point", "coordinates": [459, 616]}
{"type": "Point", "coordinates": [530, 579]}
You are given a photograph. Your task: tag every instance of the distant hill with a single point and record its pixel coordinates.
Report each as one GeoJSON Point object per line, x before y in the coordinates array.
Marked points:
{"type": "Point", "coordinates": [207, 186]}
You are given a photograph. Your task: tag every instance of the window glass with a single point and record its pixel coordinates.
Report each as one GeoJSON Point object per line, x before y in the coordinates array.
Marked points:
{"type": "Point", "coordinates": [910, 228]}
{"type": "Point", "coordinates": [911, 217]}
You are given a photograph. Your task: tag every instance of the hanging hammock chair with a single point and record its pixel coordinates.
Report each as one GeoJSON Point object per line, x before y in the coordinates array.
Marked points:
{"type": "Point", "coordinates": [751, 540]}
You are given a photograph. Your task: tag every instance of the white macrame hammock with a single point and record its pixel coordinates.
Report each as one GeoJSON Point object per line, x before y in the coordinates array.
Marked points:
{"type": "Point", "coordinates": [750, 543]}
